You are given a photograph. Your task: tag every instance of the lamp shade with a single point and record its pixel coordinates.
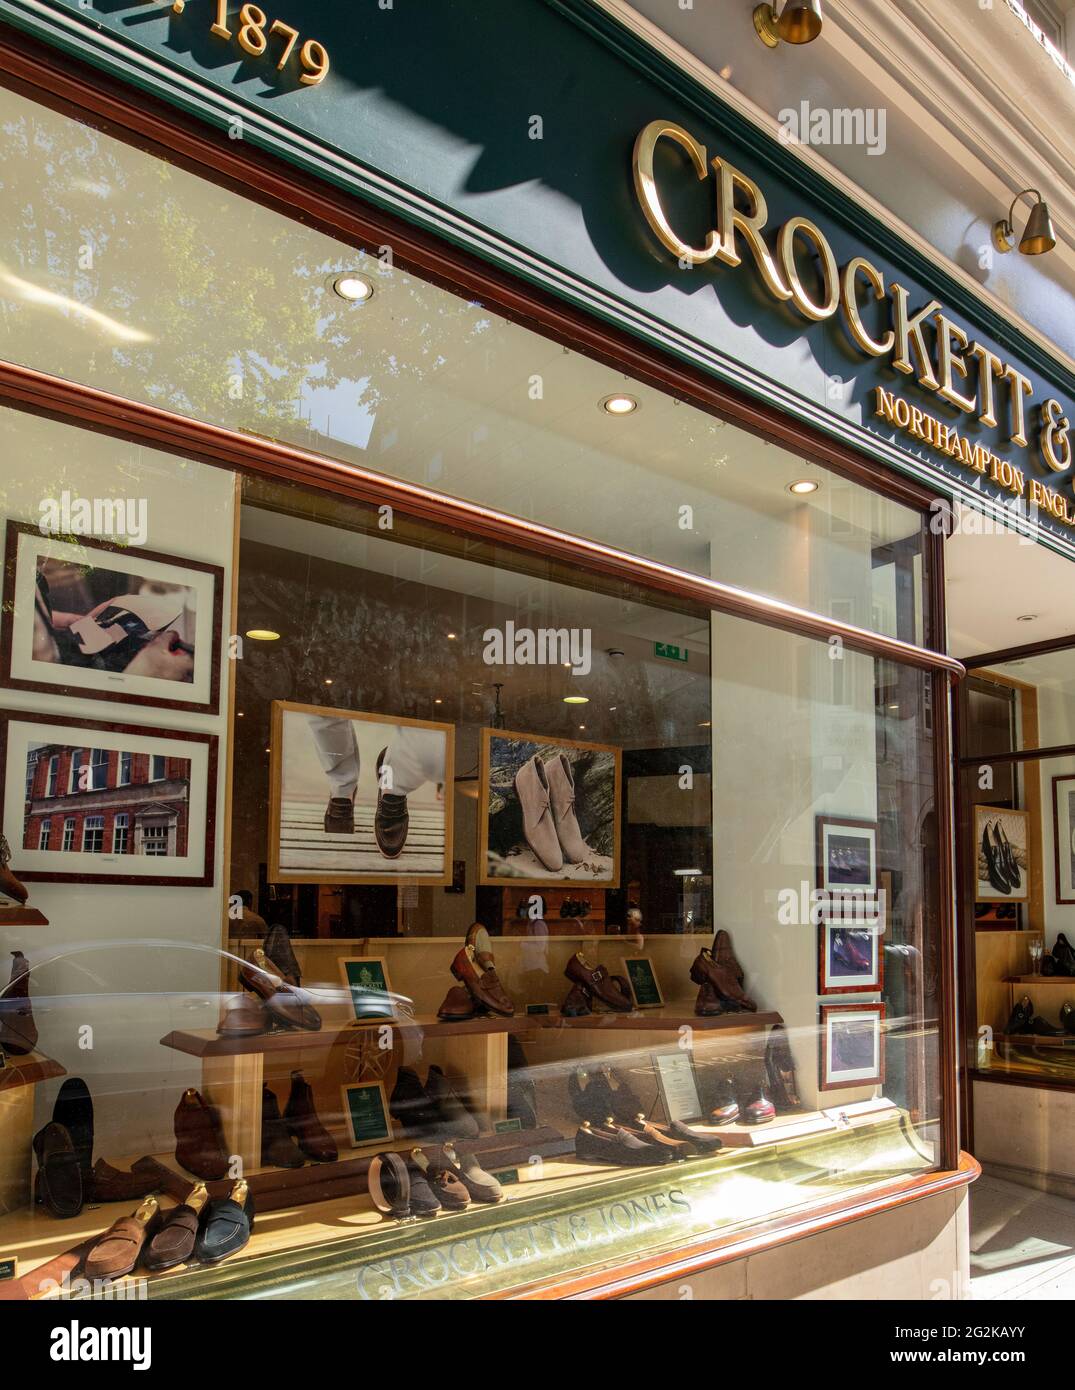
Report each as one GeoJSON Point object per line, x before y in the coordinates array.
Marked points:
{"type": "Point", "coordinates": [800, 21]}
{"type": "Point", "coordinates": [1038, 235]}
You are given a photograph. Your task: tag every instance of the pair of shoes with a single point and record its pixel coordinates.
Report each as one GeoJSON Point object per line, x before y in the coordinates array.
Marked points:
{"type": "Point", "coordinates": [546, 793]}
{"type": "Point", "coordinates": [479, 990]}
{"type": "Point", "coordinates": [64, 1152]}
{"type": "Point", "coordinates": [602, 1094]}
{"type": "Point", "coordinates": [590, 982]}
{"type": "Point", "coordinates": [1021, 1016]}
{"type": "Point", "coordinates": [391, 820]}
{"type": "Point", "coordinates": [425, 1182]}
{"type": "Point", "coordinates": [1063, 956]}
{"type": "Point", "coordinates": [719, 976]}
{"type": "Point", "coordinates": [108, 1184]}
{"type": "Point", "coordinates": [296, 1134]}
{"type": "Point", "coordinates": [780, 1070]}
{"type": "Point", "coordinates": [613, 1143]}
{"type": "Point", "coordinates": [1001, 865]}
{"type": "Point", "coordinates": [196, 1229]}
{"type": "Point", "coordinates": [287, 1005]}
{"type": "Point", "coordinates": [575, 907]}
{"type": "Point", "coordinates": [748, 1102]}
{"type": "Point", "coordinates": [18, 1031]}
{"type": "Point", "coordinates": [431, 1111]}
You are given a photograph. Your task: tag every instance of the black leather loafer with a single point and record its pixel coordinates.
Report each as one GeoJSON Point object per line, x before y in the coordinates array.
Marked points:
{"type": "Point", "coordinates": [74, 1111]}
{"type": "Point", "coordinates": [58, 1184]}
{"type": "Point", "coordinates": [226, 1226]}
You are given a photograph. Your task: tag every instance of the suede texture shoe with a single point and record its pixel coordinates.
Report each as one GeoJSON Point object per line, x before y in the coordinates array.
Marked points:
{"type": "Point", "coordinates": [304, 1124]}
{"type": "Point", "coordinates": [724, 980]}
{"type": "Point", "coordinates": [560, 781]}
{"type": "Point", "coordinates": [484, 985]}
{"type": "Point", "coordinates": [340, 816]}
{"type": "Point", "coordinates": [58, 1185]}
{"type": "Point", "coordinates": [539, 827]}
{"type": "Point", "coordinates": [173, 1242]}
{"type": "Point", "coordinates": [278, 1150]}
{"type": "Point", "coordinates": [73, 1109]}
{"type": "Point", "coordinates": [226, 1225]}
{"type": "Point", "coordinates": [117, 1251]}
{"type": "Point", "coordinates": [482, 1186]}
{"type": "Point", "coordinates": [199, 1141]}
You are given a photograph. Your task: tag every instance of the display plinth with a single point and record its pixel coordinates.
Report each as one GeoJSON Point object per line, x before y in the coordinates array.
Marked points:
{"type": "Point", "coordinates": [798, 1124]}
{"type": "Point", "coordinates": [17, 1081]}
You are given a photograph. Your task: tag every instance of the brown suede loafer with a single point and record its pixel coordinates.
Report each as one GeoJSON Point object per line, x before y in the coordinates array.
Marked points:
{"type": "Point", "coordinates": [484, 985]}
{"type": "Point", "coordinates": [110, 1184]}
{"type": "Point", "coordinates": [174, 1240]}
{"type": "Point", "coordinates": [117, 1250]}
{"type": "Point", "coordinates": [445, 1183]}
{"type": "Point", "coordinates": [288, 1004]}
{"type": "Point", "coordinates": [709, 1003]}
{"type": "Point", "coordinates": [597, 981]}
{"type": "Point", "coordinates": [723, 979]}
{"type": "Point", "coordinates": [482, 1186]}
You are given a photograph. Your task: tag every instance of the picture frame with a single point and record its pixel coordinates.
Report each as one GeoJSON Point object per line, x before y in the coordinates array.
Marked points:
{"type": "Point", "coordinates": [846, 856]}
{"type": "Point", "coordinates": [641, 975]}
{"type": "Point", "coordinates": [303, 850]}
{"type": "Point", "coordinates": [851, 1043]}
{"type": "Point", "coordinates": [677, 1084]}
{"type": "Point", "coordinates": [508, 775]}
{"type": "Point", "coordinates": [366, 1113]}
{"type": "Point", "coordinates": [1001, 852]}
{"type": "Point", "coordinates": [368, 974]}
{"type": "Point", "coordinates": [163, 650]}
{"type": "Point", "coordinates": [94, 802]}
{"type": "Point", "coordinates": [1064, 837]}
{"type": "Point", "coordinates": [850, 958]}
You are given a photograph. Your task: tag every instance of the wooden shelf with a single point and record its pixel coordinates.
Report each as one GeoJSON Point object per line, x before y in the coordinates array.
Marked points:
{"type": "Point", "coordinates": [1065, 1040]}
{"type": "Point", "coordinates": [28, 1071]}
{"type": "Point", "coordinates": [668, 1019]}
{"type": "Point", "coordinates": [1068, 980]}
{"type": "Point", "coordinates": [205, 1042]}
{"type": "Point", "coordinates": [22, 917]}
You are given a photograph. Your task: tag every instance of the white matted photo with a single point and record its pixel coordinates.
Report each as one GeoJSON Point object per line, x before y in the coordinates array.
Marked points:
{"type": "Point", "coordinates": [359, 798]}
{"type": "Point", "coordinates": [89, 802]}
{"type": "Point", "coordinates": [104, 621]}
{"type": "Point", "coordinates": [1003, 860]}
{"type": "Point", "coordinates": [852, 1045]}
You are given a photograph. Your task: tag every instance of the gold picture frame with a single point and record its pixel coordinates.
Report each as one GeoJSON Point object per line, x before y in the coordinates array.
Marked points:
{"type": "Point", "coordinates": [383, 874]}
{"type": "Point", "coordinates": [550, 878]}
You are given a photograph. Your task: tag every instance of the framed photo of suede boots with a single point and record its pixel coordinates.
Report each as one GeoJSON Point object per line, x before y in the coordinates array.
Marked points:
{"type": "Point", "coordinates": [359, 798]}
{"type": "Point", "coordinates": [549, 811]}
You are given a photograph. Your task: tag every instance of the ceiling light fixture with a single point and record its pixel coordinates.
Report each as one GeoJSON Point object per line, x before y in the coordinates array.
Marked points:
{"type": "Point", "coordinates": [451, 636]}
{"type": "Point", "coordinates": [1038, 234]}
{"type": "Point", "coordinates": [576, 699]}
{"type": "Point", "coordinates": [328, 680]}
{"type": "Point", "coordinates": [356, 289]}
{"type": "Point", "coordinates": [800, 22]}
{"type": "Point", "coordinates": [802, 486]}
{"type": "Point", "coordinates": [619, 405]}
{"type": "Point", "coordinates": [262, 634]}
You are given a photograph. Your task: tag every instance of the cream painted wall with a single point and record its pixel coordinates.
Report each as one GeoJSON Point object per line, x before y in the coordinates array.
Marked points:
{"type": "Point", "coordinates": [134, 985]}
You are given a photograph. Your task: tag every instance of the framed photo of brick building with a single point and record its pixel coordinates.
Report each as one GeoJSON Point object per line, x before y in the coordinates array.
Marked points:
{"type": "Point", "coordinates": [101, 621]}
{"type": "Point", "coordinates": [89, 802]}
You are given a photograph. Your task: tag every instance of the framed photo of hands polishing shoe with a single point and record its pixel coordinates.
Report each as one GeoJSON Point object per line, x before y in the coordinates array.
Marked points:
{"type": "Point", "coordinates": [549, 811]}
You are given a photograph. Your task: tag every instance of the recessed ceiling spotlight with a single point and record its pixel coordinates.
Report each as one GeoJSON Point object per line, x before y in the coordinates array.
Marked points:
{"type": "Point", "coordinates": [576, 699]}
{"type": "Point", "coordinates": [706, 724]}
{"type": "Point", "coordinates": [356, 289]}
{"type": "Point", "coordinates": [802, 486]}
{"type": "Point", "coordinates": [262, 634]}
{"type": "Point", "coordinates": [438, 701]}
{"type": "Point", "coordinates": [581, 727]}
{"type": "Point", "coordinates": [619, 404]}
{"type": "Point", "coordinates": [451, 636]}
{"type": "Point", "coordinates": [613, 708]}
{"type": "Point", "coordinates": [1027, 618]}
{"type": "Point", "coordinates": [328, 680]}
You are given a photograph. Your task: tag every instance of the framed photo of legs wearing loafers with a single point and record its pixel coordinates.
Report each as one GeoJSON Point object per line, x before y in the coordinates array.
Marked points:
{"type": "Point", "coordinates": [359, 798]}
{"type": "Point", "coordinates": [549, 811]}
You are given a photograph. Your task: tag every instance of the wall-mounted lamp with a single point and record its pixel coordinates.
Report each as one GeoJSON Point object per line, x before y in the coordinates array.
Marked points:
{"type": "Point", "coordinates": [800, 22]}
{"type": "Point", "coordinates": [1038, 235]}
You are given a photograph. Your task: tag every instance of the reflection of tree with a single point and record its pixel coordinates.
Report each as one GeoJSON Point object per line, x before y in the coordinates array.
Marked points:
{"type": "Point", "coordinates": [198, 301]}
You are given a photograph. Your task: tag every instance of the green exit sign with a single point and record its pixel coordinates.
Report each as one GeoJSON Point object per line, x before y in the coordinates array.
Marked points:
{"type": "Point", "coordinates": [668, 652]}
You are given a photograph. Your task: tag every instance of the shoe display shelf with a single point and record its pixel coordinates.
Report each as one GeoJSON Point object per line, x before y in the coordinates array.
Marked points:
{"type": "Point", "coordinates": [18, 1079]}
{"type": "Point", "coordinates": [22, 917]}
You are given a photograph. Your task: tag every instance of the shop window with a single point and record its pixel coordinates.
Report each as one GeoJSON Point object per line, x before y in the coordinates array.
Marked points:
{"type": "Point", "coordinates": [69, 834]}
{"type": "Point", "coordinates": [120, 833]}
{"type": "Point", "coordinates": [93, 833]}
{"type": "Point", "coordinates": [43, 834]}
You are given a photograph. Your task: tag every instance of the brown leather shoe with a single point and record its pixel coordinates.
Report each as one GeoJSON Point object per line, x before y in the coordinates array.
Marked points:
{"type": "Point", "coordinates": [723, 979]}
{"type": "Point", "coordinates": [725, 956]}
{"type": "Point", "coordinates": [110, 1184]}
{"type": "Point", "coordinates": [278, 1150]}
{"type": "Point", "coordinates": [709, 1003]}
{"type": "Point", "coordinates": [245, 1016]}
{"type": "Point", "coordinates": [391, 820]}
{"type": "Point", "coordinates": [18, 1031]}
{"type": "Point", "coordinates": [173, 1242]}
{"type": "Point", "coordinates": [780, 1070]}
{"type": "Point", "coordinates": [457, 1006]}
{"type": "Point", "coordinates": [58, 1184]}
{"type": "Point", "coordinates": [340, 816]}
{"type": "Point", "coordinates": [116, 1252]}
{"type": "Point", "coordinates": [596, 979]}
{"type": "Point", "coordinates": [578, 1003]}
{"type": "Point", "coordinates": [484, 985]}
{"type": "Point", "coordinates": [199, 1142]}
{"type": "Point", "coordinates": [304, 1124]}
{"type": "Point", "coordinates": [10, 886]}
{"type": "Point", "coordinates": [288, 1005]}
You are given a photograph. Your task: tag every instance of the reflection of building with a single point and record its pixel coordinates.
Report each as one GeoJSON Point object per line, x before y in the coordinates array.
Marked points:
{"type": "Point", "coordinates": [102, 801]}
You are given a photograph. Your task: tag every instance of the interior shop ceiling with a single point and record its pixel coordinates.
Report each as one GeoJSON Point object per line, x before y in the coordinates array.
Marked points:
{"type": "Point", "coordinates": [136, 276]}
{"type": "Point", "coordinates": [1004, 591]}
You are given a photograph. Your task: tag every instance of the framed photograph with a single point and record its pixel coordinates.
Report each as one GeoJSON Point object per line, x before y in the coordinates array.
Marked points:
{"type": "Point", "coordinates": [1001, 854]}
{"type": "Point", "coordinates": [107, 622]}
{"type": "Point", "coordinates": [850, 958]}
{"type": "Point", "coordinates": [846, 856]}
{"type": "Point", "coordinates": [365, 1108]}
{"type": "Point", "coordinates": [642, 978]}
{"type": "Point", "coordinates": [90, 802]}
{"type": "Point", "coordinates": [1064, 838]}
{"type": "Point", "coordinates": [548, 811]}
{"type": "Point", "coordinates": [852, 1042]}
{"type": "Point", "coordinates": [366, 980]}
{"type": "Point", "coordinates": [359, 798]}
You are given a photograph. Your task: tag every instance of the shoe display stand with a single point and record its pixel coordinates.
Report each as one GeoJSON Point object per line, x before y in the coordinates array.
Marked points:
{"type": "Point", "coordinates": [18, 1080]}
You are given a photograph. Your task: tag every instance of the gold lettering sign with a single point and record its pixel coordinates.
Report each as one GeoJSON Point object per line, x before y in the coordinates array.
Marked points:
{"type": "Point", "coordinates": [740, 217]}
